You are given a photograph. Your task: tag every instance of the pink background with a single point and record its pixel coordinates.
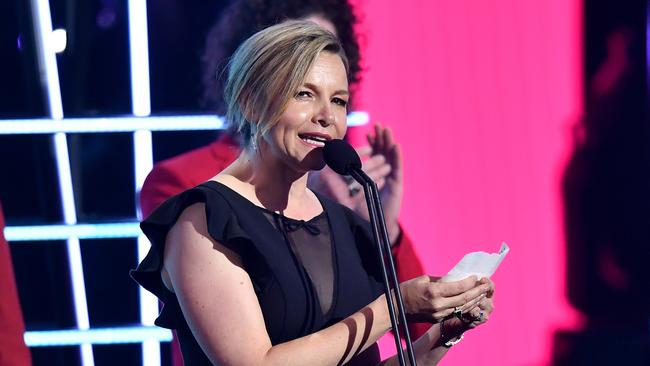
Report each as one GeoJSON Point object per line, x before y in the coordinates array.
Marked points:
{"type": "Point", "coordinates": [482, 96]}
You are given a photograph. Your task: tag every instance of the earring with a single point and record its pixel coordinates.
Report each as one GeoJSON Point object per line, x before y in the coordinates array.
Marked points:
{"type": "Point", "coordinates": [253, 137]}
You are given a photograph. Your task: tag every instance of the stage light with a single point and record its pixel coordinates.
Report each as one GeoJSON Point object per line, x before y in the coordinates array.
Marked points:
{"type": "Point", "coordinates": [138, 50]}
{"type": "Point", "coordinates": [81, 231]}
{"type": "Point", "coordinates": [117, 335]}
{"type": "Point", "coordinates": [58, 40]}
{"type": "Point", "coordinates": [131, 124]}
{"type": "Point", "coordinates": [47, 60]}
{"type": "Point", "coordinates": [143, 152]}
{"type": "Point", "coordinates": [111, 124]}
{"type": "Point", "coordinates": [42, 19]}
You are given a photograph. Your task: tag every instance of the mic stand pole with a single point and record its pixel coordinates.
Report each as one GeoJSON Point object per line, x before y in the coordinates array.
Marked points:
{"type": "Point", "coordinates": [383, 244]}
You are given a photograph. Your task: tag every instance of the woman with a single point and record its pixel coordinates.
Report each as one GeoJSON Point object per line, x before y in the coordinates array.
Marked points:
{"type": "Point", "coordinates": [256, 269]}
{"type": "Point", "coordinates": [240, 20]}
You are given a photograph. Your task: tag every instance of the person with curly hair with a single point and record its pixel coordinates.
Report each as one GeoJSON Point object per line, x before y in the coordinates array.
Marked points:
{"type": "Point", "coordinates": [243, 18]}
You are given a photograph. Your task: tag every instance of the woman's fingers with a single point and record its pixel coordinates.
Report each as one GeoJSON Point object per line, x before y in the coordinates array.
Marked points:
{"type": "Point", "coordinates": [438, 316]}
{"type": "Point", "coordinates": [382, 143]}
{"type": "Point", "coordinates": [377, 168]}
{"type": "Point", "coordinates": [380, 183]}
{"type": "Point", "coordinates": [492, 286]}
{"type": "Point", "coordinates": [371, 140]}
{"type": "Point", "coordinates": [452, 288]}
{"type": "Point", "coordinates": [441, 297]}
{"type": "Point", "coordinates": [445, 306]}
{"type": "Point", "coordinates": [470, 306]}
{"type": "Point", "coordinates": [395, 159]}
{"type": "Point", "coordinates": [486, 305]}
{"type": "Point", "coordinates": [364, 151]}
{"type": "Point", "coordinates": [434, 300]}
{"type": "Point", "coordinates": [466, 310]}
{"type": "Point", "coordinates": [379, 138]}
{"type": "Point", "coordinates": [481, 313]}
{"type": "Point", "coordinates": [373, 163]}
{"type": "Point", "coordinates": [388, 137]}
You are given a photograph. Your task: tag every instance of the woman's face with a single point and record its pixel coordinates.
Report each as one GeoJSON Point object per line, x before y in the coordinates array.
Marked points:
{"type": "Point", "coordinates": [317, 112]}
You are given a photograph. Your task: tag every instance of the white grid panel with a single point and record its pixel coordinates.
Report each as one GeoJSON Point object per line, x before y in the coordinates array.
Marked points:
{"type": "Point", "coordinates": [142, 155]}
{"type": "Point", "coordinates": [42, 22]}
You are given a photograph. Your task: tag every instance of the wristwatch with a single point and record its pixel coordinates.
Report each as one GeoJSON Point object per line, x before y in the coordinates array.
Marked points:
{"type": "Point", "coordinates": [451, 342]}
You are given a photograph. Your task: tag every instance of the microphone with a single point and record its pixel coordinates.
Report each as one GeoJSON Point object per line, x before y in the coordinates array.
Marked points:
{"type": "Point", "coordinates": [343, 159]}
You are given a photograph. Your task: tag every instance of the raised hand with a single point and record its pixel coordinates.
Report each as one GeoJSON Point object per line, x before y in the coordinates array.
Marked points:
{"type": "Point", "coordinates": [390, 182]}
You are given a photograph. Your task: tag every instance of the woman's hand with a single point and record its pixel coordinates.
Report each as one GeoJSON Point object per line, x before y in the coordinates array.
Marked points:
{"type": "Point", "coordinates": [426, 299]}
{"type": "Point", "coordinates": [456, 325]}
{"type": "Point", "coordinates": [481, 313]}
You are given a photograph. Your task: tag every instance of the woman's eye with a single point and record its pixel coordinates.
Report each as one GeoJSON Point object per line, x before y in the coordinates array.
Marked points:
{"type": "Point", "coordinates": [341, 102]}
{"type": "Point", "coordinates": [303, 94]}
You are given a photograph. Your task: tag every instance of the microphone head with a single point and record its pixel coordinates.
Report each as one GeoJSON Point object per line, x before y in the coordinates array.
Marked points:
{"type": "Point", "coordinates": [341, 157]}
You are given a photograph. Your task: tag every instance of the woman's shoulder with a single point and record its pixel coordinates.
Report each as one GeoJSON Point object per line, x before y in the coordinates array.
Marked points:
{"type": "Point", "coordinates": [207, 209]}
{"type": "Point", "coordinates": [206, 193]}
{"type": "Point", "coordinates": [210, 204]}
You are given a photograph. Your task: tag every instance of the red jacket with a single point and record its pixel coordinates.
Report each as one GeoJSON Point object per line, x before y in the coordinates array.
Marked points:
{"type": "Point", "coordinates": [13, 350]}
{"type": "Point", "coordinates": [192, 168]}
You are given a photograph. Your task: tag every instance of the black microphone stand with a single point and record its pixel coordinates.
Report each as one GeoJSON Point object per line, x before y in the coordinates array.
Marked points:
{"type": "Point", "coordinates": [380, 235]}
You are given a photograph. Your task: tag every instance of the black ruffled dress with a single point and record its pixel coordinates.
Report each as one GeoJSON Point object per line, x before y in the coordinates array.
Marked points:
{"type": "Point", "coordinates": [307, 275]}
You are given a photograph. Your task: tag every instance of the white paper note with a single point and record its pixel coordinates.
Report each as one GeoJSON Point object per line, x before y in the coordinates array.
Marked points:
{"type": "Point", "coordinates": [480, 264]}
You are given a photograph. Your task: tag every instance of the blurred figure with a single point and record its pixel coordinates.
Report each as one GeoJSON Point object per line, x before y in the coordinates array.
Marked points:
{"type": "Point", "coordinates": [13, 350]}
{"type": "Point", "coordinates": [607, 196]}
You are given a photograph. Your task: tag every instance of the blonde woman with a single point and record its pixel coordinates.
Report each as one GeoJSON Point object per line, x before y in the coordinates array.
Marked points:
{"type": "Point", "coordinates": [256, 269]}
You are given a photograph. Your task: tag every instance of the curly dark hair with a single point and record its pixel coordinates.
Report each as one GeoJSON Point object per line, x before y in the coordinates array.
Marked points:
{"type": "Point", "coordinates": [243, 18]}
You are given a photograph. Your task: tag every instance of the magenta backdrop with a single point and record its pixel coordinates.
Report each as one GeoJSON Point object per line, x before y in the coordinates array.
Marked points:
{"type": "Point", "coordinates": [482, 96]}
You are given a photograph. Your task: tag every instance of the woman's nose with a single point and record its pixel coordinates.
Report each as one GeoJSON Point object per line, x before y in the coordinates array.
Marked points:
{"type": "Point", "coordinates": [324, 115]}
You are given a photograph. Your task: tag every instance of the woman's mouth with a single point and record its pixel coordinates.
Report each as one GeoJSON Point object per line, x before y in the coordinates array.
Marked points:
{"type": "Point", "coordinates": [313, 139]}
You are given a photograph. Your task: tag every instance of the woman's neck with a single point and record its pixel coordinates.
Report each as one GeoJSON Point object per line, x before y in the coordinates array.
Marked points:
{"type": "Point", "coordinates": [270, 183]}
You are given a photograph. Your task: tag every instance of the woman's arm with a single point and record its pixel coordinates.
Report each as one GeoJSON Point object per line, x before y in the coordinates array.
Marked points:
{"type": "Point", "coordinates": [428, 348]}
{"type": "Point", "coordinates": [431, 347]}
{"type": "Point", "coordinates": [220, 306]}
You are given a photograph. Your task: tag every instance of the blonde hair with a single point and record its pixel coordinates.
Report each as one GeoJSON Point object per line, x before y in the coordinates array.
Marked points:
{"type": "Point", "coordinates": [267, 70]}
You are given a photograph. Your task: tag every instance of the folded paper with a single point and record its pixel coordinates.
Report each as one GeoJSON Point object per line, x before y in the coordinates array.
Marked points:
{"type": "Point", "coordinates": [479, 264]}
